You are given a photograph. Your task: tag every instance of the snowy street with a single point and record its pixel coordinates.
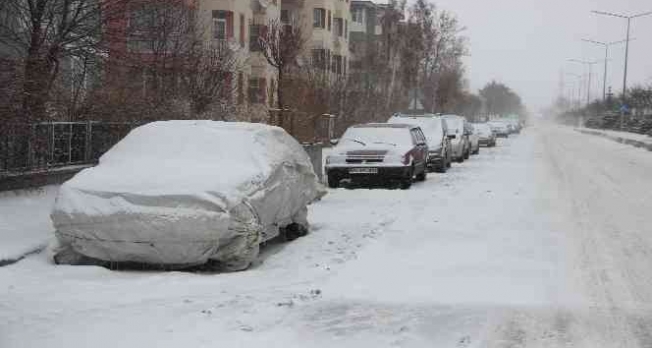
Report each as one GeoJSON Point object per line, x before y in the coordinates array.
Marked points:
{"type": "Point", "coordinates": [542, 241]}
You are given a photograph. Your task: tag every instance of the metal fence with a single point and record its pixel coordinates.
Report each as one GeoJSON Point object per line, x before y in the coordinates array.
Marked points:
{"type": "Point", "coordinates": [44, 146]}
{"type": "Point", "coordinates": [641, 124]}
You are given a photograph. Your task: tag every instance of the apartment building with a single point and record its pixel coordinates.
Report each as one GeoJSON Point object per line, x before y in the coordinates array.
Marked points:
{"type": "Point", "coordinates": [236, 23]}
{"type": "Point", "coordinates": [327, 23]}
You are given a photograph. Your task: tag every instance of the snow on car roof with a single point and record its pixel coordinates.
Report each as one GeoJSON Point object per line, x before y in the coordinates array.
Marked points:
{"type": "Point", "coordinates": [384, 125]}
{"type": "Point", "coordinates": [180, 157]}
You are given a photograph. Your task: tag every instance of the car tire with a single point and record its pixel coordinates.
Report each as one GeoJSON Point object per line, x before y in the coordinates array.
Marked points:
{"type": "Point", "coordinates": [477, 151]}
{"type": "Point", "coordinates": [333, 181]}
{"type": "Point", "coordinates": [423, 175]}
{"type": "Point", "coordinates": [467, 154]}
{"type": "Point", "coordinates": [442, 167]}
{"type": "Point", "coordinates": [293, 231]}
{"type": "Point", "coordinates": [407, 182]}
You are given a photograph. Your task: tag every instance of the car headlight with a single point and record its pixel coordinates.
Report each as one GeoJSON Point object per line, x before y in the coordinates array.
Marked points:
{"type": "Point", "coordinates": [335, 159]}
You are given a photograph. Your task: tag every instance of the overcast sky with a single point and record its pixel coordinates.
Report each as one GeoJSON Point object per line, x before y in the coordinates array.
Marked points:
{"type": "Point", "coordinates": [525, 43]}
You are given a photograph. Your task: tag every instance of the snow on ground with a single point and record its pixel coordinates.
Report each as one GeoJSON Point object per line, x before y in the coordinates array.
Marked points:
{"type": "Point", "coordinates": [540, 242]}
{"type": "Point", "coordinates": [25, 221]}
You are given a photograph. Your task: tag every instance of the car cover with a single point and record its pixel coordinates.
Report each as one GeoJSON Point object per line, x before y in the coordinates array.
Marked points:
{"type": "Point", "coordinates": [180, 193]}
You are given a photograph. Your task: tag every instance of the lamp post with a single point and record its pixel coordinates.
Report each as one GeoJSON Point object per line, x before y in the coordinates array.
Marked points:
{"type": "Point", "coordinates": [575, 101]}
{"type": "Point", "coordinates": [588, 87]}
{"type": "Point", "coordinates": [606, 46]}
{"type": "Point", "coordinates": [629, 25]}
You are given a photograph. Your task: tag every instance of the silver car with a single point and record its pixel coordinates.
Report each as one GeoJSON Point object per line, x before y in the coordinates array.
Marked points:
{"type": "Point", "coordinates": [458, 132]}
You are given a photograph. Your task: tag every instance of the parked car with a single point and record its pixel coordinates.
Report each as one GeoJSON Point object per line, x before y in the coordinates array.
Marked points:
{"type": "Point", "coordinates": [380, 152]}
{"type": "Point", "coordinates": [436, 132]}
{"type": "Point", "coordinates": [486, 135]}
{"type": "Point", "coordinates": [459, 135]}
{"type": "Point", "coordinates": [474, 139]}
{"type": "Point", "coordinates": [500, 128]}
{"type": "Point", "coordinates": [515, 124]}
{"type": "Point", "coordinates": [177, 194]}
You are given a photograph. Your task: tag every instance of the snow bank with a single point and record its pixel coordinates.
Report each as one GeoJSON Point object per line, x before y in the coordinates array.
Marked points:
{"type": "Point", "coordinates": [180, 193]}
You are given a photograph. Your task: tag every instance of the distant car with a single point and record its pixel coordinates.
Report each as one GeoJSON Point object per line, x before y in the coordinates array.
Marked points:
{"type": "Point", "coordinates": [436, 132]}
{"type": "Point", "coordinates": [500, 128]}
{"type": "Point", "coordinates": [177, 194]}
{"type": "Point", "coordinates": [459, 134]}
{"type": "Point", "coordinates": [485, 134]}
{"type": "Point", "coordinates": [516, 125]}
{"type": "Point", "coordinates": [379, 152]}
{"type": "Point", "coordinates": [474, 139]}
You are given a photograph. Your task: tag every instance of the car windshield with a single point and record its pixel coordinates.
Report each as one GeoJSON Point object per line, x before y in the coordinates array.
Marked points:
{"type": "Point", "coordinates": [370, 136]}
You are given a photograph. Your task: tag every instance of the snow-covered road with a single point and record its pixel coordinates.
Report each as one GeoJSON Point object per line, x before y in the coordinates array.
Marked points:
{"type": "Point", "coordinates": [544, 241]}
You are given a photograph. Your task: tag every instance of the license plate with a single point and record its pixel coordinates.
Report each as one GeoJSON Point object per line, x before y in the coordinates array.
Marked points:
{"type": "Point", "coordinates": [363, 171]}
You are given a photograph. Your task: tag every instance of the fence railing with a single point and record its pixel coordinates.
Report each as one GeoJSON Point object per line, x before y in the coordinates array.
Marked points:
{"type": "Point", "coordinates": [641, 124]}
{"type": "Point", "coordinates": [45, 146]}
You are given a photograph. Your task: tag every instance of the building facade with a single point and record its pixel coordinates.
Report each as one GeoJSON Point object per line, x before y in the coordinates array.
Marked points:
{"type": "Point", "coordinates": [326, 23]}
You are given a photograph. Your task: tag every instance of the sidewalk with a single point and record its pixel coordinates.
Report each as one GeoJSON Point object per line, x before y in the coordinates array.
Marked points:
{"type": "Point", "coordinates": [25, 225]}
{"type": "Point", "coordinates": [637, 140]}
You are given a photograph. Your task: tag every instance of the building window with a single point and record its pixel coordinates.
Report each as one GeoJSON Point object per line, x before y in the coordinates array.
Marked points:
{"type": "Point", "coordinates": [222, 25]}
{"type": "Point", "coordinates": [319, 18]}
{"type": "Point", "coordinates": [358, 15]}
{"type": "Point", "coordinates": [255, 31]}
{"type": "Point", "coordinates": [346, 28]}
{"type": "Point", "coordinates": [285, 16]}
{"type": "Point", "coordinates": [336, 64]}
{"type": "Point", "coordinates": [256, 91]}
{"type": "Point", "coordinates": [321, 59]}
{"type": "Point", "coordinates": [272, 90]}
{"type": "Point", "coordinates": [339, 26]}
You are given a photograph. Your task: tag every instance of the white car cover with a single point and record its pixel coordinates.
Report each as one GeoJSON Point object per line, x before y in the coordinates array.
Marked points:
{"type": "Point", "coordinates": [180, 193]}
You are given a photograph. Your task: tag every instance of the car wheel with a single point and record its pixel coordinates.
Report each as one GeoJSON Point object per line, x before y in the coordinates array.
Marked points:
{"type": "Point", "coordinates": [333, 181]}
{"type": "Point", "coordinates": [293, 231]}
{"type": "Point", "coordinates": [467, 154]}
{"type": "Point", "coordinates": [442, 167]}
{"type": "Point", "coordinates": [407, 182]}
{"type": "Point", "coordinates": [477, 151]}
{"type": "Point", "coordinates": [423, 175]}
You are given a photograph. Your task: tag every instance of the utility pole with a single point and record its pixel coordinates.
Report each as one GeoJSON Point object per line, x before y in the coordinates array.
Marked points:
{"type": "Point", "coordinates": [606, 46]}
{"type": "Point", "coordinates": [629, 26]}
{"type": "Point", "coordinates": [588, 88]}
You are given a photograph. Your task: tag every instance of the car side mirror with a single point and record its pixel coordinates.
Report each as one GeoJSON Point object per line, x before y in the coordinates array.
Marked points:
{"type": "Point", "coordinates": [334, 141]}
{"type": "Point", "coordinates": [452, 136]}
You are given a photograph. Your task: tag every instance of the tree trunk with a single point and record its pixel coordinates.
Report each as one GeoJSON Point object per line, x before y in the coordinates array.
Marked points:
{"type": "Point", "coordinates": [279, 96]}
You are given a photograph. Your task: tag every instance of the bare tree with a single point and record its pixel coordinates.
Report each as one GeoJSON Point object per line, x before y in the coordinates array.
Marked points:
{"type": "Point", "coordinates": [44, 32]}
{"type": "Point", "coordinates": [281, 44]}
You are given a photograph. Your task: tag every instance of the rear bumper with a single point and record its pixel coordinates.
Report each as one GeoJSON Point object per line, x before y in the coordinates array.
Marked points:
{"type": "Point", "coordinates": [485, 142]}
{"type": "Point", "coordinates": [383, 173]}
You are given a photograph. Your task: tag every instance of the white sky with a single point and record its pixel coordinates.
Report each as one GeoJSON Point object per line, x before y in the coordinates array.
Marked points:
{"type": "Point", "coordinates": [525, 43]}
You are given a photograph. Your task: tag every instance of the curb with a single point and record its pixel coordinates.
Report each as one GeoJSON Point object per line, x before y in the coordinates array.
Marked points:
{"type": "Point", "coordinates": [635, 143]}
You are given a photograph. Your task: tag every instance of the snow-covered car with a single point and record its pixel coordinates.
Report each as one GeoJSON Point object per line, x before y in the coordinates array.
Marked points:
{"type": "Point", "coordinates": [380, 152]}
{"type": "Point", "coordinates": [458, 132]}
{"type": "Point", "coordinates": [434, 128]}
{"type": "Point", "coordinates": [485, 134]}
{"type": "Point", "coordinates": [499, 128]}
{"type": "Point", "coordinates": [181, 193]}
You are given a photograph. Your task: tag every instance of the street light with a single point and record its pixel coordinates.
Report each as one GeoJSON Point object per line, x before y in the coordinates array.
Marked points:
{"type": "Point", "coordinates": [588, 88]}
{"type": "Point", "coordinates": [629, 23]}
{"type": "Point", "coordinates": [606, 46]}
{"type": "Point", "coordinates": [576, 101]}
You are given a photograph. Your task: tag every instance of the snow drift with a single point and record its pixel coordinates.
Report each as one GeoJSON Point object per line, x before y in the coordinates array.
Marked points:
{"type": "Point", "coordinates": [180, 193]}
